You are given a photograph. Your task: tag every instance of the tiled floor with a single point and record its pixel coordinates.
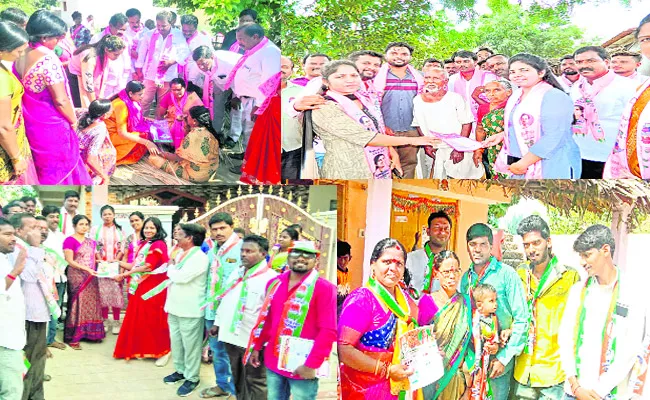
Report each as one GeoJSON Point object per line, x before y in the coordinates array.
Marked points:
{"type": "Point", "coordinates": [93, 373]}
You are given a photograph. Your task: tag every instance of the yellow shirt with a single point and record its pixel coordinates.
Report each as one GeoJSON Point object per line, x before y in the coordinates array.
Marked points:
{"type": "Point", "coordinates": [542, 368]}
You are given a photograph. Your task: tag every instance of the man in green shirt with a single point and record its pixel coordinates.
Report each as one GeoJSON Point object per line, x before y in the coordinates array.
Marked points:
{"type": "Point", "coordinates": [511, 312]}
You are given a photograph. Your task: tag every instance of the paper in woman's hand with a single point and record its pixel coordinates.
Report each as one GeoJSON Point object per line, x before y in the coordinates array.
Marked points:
{"type": "Point", "coordinates": [108, 269]}
{"type": "Point", "coordinates": [419, 352]}
{"type": "Point", "coordinates": [458, 142]}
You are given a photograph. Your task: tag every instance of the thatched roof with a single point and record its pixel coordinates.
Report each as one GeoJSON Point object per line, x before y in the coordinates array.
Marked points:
{"type": "Point", "coordinates": [595, 195]}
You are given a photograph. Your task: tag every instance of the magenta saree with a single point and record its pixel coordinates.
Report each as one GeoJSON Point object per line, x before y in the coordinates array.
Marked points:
{"type": "Point", "coordinates": [49, 133]}
{"type": "Point", "coordinates": [84, 319]}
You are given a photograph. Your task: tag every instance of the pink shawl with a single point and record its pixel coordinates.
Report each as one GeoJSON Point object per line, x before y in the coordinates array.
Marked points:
{"type": "Point", "coordinates": [382, 76]}
{"type": "Point", "coordinates": [235, 47]}
{"type": "Point", "coordinates": [616, 166]}
{"type": "Point", "coordinates": [167, 47]}
{"type": "Point", "coordinates": [354, 112]}
{"type": "Point", "coordinates": [243, 59]}
{"type": "Point", "coordinates": [76, 31]}
{"type": "Point", "coordinates": [135, 122]}
{"type": "Point", "coordinates": [528, 130]}
{"type": "Point", "coordinates": [208, 86]}
{"type": "Point", "coordinates": [478, 79]}
{"type": "Point", "coordinates": [269, 89]}
{"type": "Point", "coordinates": [178, 128]}
{"type": "Point", "coordinates": [586, 101]}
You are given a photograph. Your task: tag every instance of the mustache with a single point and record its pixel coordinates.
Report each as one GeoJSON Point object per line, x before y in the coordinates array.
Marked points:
{"type": "Point", "coordinates": [586, 70]}
{"type": "Point", "coordinates": [570, 72]}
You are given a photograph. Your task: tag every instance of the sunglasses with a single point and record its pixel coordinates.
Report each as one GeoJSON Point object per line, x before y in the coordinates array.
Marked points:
{"type": "Point", "coordinates": [303, 254]}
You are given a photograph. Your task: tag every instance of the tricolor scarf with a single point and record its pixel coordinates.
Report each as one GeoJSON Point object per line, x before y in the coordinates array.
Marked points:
{"type": "Point", "coordinates": [460, 87]}
{"type": "Point", "coordinates": [293, 315]}
{"type": "Point", "coordinates": [640, 369]}
{"type": "Point", "coordinates": [588, 95]}
{"type": "Point", "coordinates": [62, 222]}
{"type": "Point", "coordinates": [149, 59]}
{"type": "Point", "coordinates": [208, 86]}
{"type": "Point", "coordinates": [244, 276]}
{"type": "Point", "coordinates": [140, 257]}
{"type": "Point", "coordinates": [608, 349]}
{"type": "Point", "coordinates": [111, 242]}
{"type": "Point", "coordinates": [399, 306]}
{"type": "Point", "coordinates": [532, 301]}
{"type": "Point", "coordinates": [382, 76]}
{"type": "Point", "coordinates": [167, 282]}
{"type": "Point", "coordinates": [43, 284]}
{"type": "Point", "coordinates": [242, 60]}
{"type": "Point", "coordinates": [216, 270]}
{"type": "Point", "coordinates": [371, 104]}
{"type": "Point", "coordinates": [58, 262]}
{"type": "Point", "coordinates": [617, 166]}
{"type": "Point", "coordinates": [428, 274]}
{"type": "Point", "coordinates": [528, 130]}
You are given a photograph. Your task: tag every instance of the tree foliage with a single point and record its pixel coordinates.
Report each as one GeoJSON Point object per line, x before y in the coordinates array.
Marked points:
{"type": "Point", "coordinates": [224, 14]}
{"type": "Point", "coordinates": [29, 6]}
{"type": "Point", "coordinates": [338, 28]}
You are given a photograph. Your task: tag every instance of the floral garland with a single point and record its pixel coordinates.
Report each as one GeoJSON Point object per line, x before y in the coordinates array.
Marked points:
{"type": "Point", "coordinates": [421, 204]}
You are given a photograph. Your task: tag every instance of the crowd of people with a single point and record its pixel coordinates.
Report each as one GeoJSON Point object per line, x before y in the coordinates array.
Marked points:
{"type": "Point", "coordinates": [94, 95]}
{"type": "Point", "coordinates": [221, 285]}
{"type": "Point", "coordinates": [536, 331]}
{"type": "Point", "coordinates": [476, 114]}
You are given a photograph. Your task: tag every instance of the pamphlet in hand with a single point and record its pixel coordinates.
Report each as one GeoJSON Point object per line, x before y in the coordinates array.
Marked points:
{"type": "Point", "coordinates": [160, 132]}
{"type": "Point", "coordinates": [108, 269]}
{"type": "Point", "coordinates": [419, 351]}
{"type": "Point", "coordinates": [294, 352]}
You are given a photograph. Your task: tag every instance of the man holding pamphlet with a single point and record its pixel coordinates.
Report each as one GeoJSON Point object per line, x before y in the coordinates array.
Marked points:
{"type": "Point", "coordinates": [299, 312]}
{"type": "Point", "coordinates": [239, 309]}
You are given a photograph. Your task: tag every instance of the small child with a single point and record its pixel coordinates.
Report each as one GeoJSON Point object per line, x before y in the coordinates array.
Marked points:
{"type": "Point", "coordinates": [485, 329]}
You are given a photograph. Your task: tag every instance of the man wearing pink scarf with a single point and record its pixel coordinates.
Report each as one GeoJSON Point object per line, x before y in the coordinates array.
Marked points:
{"type": "Point", "coordinates": [160, 53]}
{"type": "Point", "coordinates": [470, 80]}
{"type": "Point", "coordinates": [119, 71]}
{"type": "Point", "coordinates": [569, 71]}
{"type": "Point", "coordinates": [253, 74]}
{"type": "Point", "coordinates": [600, 95]}
{"type": "Point", "coordinates": [625, 64]}
{"type": "Point", "coordinates": [194, 38]}
{"type": "Point", "coordinates": [133, 33]}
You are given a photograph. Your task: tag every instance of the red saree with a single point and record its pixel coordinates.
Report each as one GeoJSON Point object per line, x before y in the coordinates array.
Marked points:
{"type": "Point", "coordinates": [144, 332]}
{"type": "Point", "coordinates": [261, 164]}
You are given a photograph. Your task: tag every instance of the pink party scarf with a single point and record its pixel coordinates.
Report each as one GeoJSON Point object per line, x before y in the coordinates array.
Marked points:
{"type": "Point", "coordinates": [243, 59]}
{"type": "Point", "coordinates": [135, 121]}
{"type": "Point", "coordinates": [76, 31]}
{"type": "Point", "coordinates": [208, 87]}
{"type": "Point", "coordinates": [100, 77]}
{"type": "Point", "coordinates": [382, 76]}
{"type": "Point", "coordinates": [616, 166]}
{"type": "Point", "coordinates": [167, 47]}
{"type": "Point", "coordinates": [354, 112]}
{"type": "Point", "coordinates": [269, 89]}
{"type": "Point", "coordinates": [235, 47]}
{"type": "Point", "coordinates": [179, 106]}
{"type": "Point", "coordinates": [586, 101]}
{"type": "Point", "coordinates": [528, 130]}
{"type": "Point", "coordinates": [478, 79]}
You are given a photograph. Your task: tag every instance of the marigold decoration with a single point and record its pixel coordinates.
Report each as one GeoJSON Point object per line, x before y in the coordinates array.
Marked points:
{"type": "Point", "coordinates": [421, 204]}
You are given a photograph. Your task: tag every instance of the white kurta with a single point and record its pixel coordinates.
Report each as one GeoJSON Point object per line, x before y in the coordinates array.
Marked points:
{"type": "Point", "coordinates": [178, 53]}
{"type": "Point", "coordinates": [257, 69]}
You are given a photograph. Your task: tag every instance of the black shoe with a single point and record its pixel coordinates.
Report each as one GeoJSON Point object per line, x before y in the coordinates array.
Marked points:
{"type": "Point", "coordinates": [187, 388]}
{"type": "Point", "coordinates": [229, 143]}
{"type": "Point", "coordinates": [238, 156]}
{"type": "Point", "coordinates": [173, 378]}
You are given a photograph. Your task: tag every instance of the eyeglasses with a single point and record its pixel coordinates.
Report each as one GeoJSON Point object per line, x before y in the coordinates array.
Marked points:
{"type": "Point", "coordinates": [449, 273]}
{"type": "Point", "coordinates": [303, 254]}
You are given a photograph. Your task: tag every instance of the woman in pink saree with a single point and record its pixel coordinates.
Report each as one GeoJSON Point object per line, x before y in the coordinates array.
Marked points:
{"type": "Point", "coordinates": [175, 106]}
{"type": "Point", "coordinates": [84, 318]}
{"type": "Point", "coordinates": [47, 105]}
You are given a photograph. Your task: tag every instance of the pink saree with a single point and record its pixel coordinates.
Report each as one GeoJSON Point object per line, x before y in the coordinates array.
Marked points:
{"type": "Point", "coordinates": [49, 133]}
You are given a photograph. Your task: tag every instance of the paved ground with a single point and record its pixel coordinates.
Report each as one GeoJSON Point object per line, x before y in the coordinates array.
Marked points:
{"type": "Point", "coordinates": [92, 373]}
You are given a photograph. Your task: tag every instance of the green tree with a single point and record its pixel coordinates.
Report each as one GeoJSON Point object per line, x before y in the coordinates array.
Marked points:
{"type": "Point", "coordinates": [29, 6]}
{"type": "Point", "coordinates": [224, 14]}
{"type": "Point", "coordinates": [8, 193]}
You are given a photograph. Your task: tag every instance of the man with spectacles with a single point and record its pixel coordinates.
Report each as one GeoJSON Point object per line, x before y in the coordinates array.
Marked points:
{"type": "Point", "coordinates": [299, 304]}
{"type": "Point", "coordinates": [511, 312]}
{"type": "Point", "coordinates": [419, 263]}
{"type": "Point", "coordinates": [546, 284]}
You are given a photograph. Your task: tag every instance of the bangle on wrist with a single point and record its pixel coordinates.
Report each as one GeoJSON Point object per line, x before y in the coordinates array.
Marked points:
{"type": "Point", "coordinates": [13, 278]}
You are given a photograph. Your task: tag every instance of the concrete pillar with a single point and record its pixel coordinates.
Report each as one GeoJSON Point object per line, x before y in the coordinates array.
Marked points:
{"type": "Point", "coordinates": [377, 218]}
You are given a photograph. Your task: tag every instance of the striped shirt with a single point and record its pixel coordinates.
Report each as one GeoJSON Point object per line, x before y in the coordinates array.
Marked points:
{"type": "Point", "coordinates": [397, 103]}
{"type": "Point", "coordinates": [35, 306]}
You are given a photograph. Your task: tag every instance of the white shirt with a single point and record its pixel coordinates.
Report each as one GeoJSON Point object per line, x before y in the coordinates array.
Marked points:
{"type": "Point", "coordinates": [134, 39]}
{"type": "Point", "coordinates": [54, 241]}
{"type": "Point", "coordinates": [256, 287]}
{"type": "Point", "coordinates": [416, 263]}
{"type": "Point", "coordinates": [187, 291]}
{"type": "Point", "coordinates": [178, 53]}
{"type": "Point", "coordinates": [629, 332]}
{"type": "Point", "coordinates": [12, 308]}
{"type": "Point", "coordinates": [256, 70]}
{"type": "Point", "coordinates": [610, 103]}
{"type": "Point", "coordinates": [67, 228]}
{"type": "Point", "coordinates": [291, 131]}
{"type": "Point", "coordinates": [226, 61]}
{"type": "Point", "coordinates": [445, 116]}
{"type": "Point", "coordinates": [637, 77]}
{"type": "Point", "coordinates": [193, 71]}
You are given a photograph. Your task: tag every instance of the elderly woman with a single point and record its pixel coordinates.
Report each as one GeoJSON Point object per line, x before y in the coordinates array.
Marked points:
{"type": "Point", "coordinates": [538, 141]}
{"type": "Point", "coordinates": [627, 159]}
{"type": "Point", "coordinates": [372, 318]}
{"type": "Point", "coordinates": [490, 117]}
{"type": "Point", "coordinates": [175, 107]}
{"type": "Point", "coordinates": [89, 64]}
{"type": "Point", "coordinates": [451, 314]}
{"type": "Point", "coordinates": [351, 126]}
